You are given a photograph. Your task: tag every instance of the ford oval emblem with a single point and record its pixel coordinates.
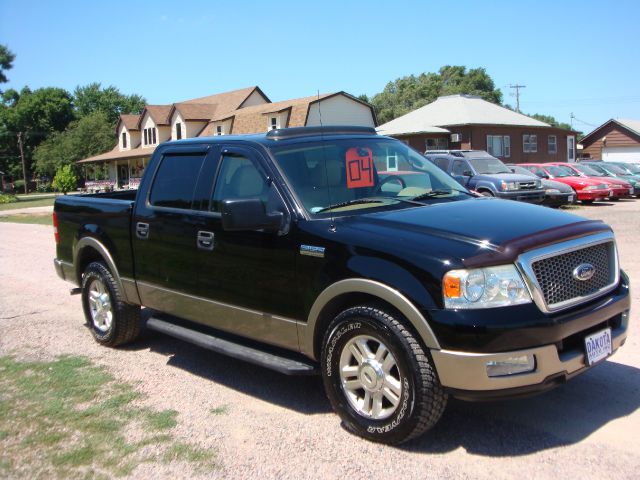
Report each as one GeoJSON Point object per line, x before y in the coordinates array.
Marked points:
{"type": "Point", "coordinates": [584, 272]}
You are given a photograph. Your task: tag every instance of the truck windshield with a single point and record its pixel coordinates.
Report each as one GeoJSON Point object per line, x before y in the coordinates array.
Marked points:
{"type": "Point", "coordinates": [336, 176]}
{"type": "Point", "coordinates": [490, 166]}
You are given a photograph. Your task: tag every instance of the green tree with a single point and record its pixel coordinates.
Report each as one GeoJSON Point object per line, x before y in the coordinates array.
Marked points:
{"type": "Point", "coordinates": [411, 92]}
{"type": "Point", "coordinates": [93, 98]}
{"type": "Point", "coordinates": [551, 121]}
{"type": "Point", "coordinates": [6, 62]}
{"type": "Point", "coordinates": [91, 135]}
{"type": "Point", "coordinates": [37, 114]}
{"type": "Point", "coordinates": [65, 180]}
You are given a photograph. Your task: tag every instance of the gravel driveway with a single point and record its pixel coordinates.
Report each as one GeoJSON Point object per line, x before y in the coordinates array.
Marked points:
{"type": "Point", "coordinates": [276, 426]}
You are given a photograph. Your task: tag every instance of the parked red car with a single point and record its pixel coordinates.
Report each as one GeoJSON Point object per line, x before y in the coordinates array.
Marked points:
{"type": "Point", "coordinates": [620, 188]}
{"type": "Point", "coordinates": [587, 190]}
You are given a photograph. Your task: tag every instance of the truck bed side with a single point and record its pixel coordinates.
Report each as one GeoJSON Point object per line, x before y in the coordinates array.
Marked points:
{"type": "Point", "coordinates": [104, 217]}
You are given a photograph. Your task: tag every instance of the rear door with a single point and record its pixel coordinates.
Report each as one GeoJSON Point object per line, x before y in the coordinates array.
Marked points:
{"type": "Point", "coordinates": [165, 227]}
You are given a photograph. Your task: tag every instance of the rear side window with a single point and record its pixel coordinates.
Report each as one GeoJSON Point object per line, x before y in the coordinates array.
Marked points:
{"type": "Point", "coordinates": [175, 181]}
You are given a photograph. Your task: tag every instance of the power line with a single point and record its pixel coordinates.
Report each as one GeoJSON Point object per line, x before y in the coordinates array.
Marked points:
{"type": "Point", "coordinates": [517, 88]}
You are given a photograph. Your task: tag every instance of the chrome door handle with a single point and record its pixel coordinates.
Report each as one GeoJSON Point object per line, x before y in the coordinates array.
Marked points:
{"type": "Point", "coordinates": [205, 240]}
{"type": "Point", "coordinates": [142, 230]}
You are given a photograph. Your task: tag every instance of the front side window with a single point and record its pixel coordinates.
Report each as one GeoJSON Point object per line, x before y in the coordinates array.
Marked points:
{"type": "Point", "coordinates": [175, 181]}
{"type": "Point", "coordinates": [239, 177]}
{"type": "Point", "coordinates": [460, 167]}
{"type": "Point", "coordinates": [553, 145]}
{"type": "Point", "coordinates": [529, 143]}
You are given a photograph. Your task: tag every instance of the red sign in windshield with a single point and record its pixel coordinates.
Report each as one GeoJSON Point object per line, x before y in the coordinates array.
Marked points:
{"type": "Point", "coordinates": [359, 167]}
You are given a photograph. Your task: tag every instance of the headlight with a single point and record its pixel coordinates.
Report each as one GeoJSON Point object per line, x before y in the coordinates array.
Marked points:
{"type": "Point", "coordinates": [508, 185]}
{"type": "Point", "coordinates": [592, 187]}
{"type": "Point", "coordinates": [552, 191]}
{"type": "Point", "coordinates": [538, 184]}
{"type": "Point", "coordinates": [488, 287]}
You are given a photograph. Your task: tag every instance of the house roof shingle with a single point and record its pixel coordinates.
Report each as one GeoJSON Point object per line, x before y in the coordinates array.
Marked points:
{"type": "Point", "coordinates": [159, 114]}
{"type": "Point", "coordinates": [129, 121]}
{"type": "Point", "coordinates": [456, 110]}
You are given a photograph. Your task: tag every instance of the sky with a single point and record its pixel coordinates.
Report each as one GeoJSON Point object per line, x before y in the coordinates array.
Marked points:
{"type": "Point", "coordinates": [575, 57]}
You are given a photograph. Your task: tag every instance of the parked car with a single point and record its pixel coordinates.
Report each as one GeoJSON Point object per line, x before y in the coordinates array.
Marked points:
{"type": "Point", "coordinates": [613, 171]}
{"type": "Point", "coordinates": [556, 194]}
{"type": "Point", "coordinates": [487, 175]}
{"type": "Point", "coordinates": [619, 188]}
{"type": "Point", "coordinates": [287, 250]}
{"type": "Point", "coordinates": [629, 167]}
{"type": "Point", "coordinates": [587, 190]}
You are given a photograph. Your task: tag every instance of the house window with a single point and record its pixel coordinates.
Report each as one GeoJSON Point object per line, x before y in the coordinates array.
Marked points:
{"type": "Point", "coordinates": [392, 161]}
{"type": "Point", "coordinates": [553, 144]}
{"type": "Point", "coordinates": [154, 136]}
{"type": "Point", "coordinates": [499, 145]}
{"type": "Point", "coordinates": [273, 123]}
{"type": "Point", "coordinates": [178, 131]}
{"type": "Point", "coordinates": [436, 143]}
{"type": "Point", "coordinates": [219, 130]}
{"type": "Point", "coordinates": [124, 140]}
{"type": "Point", "coordinates": [529, 143]}
{"type": "Point", "coordinates": [146, 139]}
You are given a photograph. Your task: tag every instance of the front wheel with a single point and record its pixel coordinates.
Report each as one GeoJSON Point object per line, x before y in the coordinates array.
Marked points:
{"type": "Point", "coordinates": [378, 377]}
{"type": "Point", "coordinates": [112, 321]}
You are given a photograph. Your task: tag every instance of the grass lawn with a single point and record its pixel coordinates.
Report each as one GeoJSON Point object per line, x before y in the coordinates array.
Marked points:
{"type": "Point", "coordinates": [70, 419]}
{"type": "Point", "coordinates": [29, 201]}
{"type": "Point", "coordinates": [35, 219]}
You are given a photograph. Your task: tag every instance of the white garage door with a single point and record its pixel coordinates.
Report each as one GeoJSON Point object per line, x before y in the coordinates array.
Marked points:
{"type": "Point", "coordinates": [621, 154]}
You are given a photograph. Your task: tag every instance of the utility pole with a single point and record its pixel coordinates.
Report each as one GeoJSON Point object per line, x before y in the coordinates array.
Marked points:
{"type": "Point", "coordinates": [517, 89]}
{"type": "Point", "coordinates": [24, 165]}
{"type": "Point", "coordinates": [571, 120]}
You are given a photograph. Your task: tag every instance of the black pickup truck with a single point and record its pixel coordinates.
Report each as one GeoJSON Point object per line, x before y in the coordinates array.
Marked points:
{"type": "Point", "coordinates": [341, 252]}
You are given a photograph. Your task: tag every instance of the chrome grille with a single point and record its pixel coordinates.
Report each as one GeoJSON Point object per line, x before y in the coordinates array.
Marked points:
{"type": "Point", "coordinates": [555, 274]}
{"type": "Point", "coordinates": [549, 271]}
{"type": "Point", "coordinates": [527, 185]}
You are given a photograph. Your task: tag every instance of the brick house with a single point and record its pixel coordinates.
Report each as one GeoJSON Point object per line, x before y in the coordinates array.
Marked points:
{"type": "Point", "coordinates": [469, 122]}
{"type": "Point", "coordinates": [247, 110]}
{"type": "Point", "coordinates": [614, 140]}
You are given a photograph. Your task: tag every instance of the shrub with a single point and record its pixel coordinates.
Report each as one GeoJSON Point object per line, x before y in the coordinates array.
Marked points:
{"type": "Point", "coordinates": [6, 198]}
{"type": "Point", "coordinates": [65, 180]}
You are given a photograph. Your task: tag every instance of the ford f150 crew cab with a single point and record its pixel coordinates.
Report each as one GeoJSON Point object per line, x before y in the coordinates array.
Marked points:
{"type": "Point", "coordinates": [341, 252]}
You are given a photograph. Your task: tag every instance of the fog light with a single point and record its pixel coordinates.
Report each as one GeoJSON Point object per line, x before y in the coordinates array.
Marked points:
{"type": "Point", "coordinates": [624, 319]}
{"type": "Point", "coordinates": [511, 366]}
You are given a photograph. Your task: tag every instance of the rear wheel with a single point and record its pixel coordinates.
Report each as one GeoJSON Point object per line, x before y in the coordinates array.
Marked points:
{"type": "Point", "coordinates": [112, 321]}
{"type": "Point", "coordinates": [378, 377]}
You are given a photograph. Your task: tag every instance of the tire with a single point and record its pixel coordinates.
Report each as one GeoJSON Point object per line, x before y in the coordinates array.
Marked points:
{"type": "Point", "coordinates": [391, 401]}
{"type": "Point", "coordinates": [112, 321]}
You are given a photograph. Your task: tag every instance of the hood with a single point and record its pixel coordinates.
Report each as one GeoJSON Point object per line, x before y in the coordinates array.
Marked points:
{"type": "Point", "coordinates": [480, 223]}
{"type": "Point", "coordinates": [507, 177]}
{"type": "Point", "coordinates": [562, 187]}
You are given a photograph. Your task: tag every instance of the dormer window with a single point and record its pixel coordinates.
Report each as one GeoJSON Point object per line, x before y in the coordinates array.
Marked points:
{"type": "Point", "coordinates": [273, 123]}
{"type": "Point", "coordinates": [219, 130]}
{"type": "Point", "coordinates": [150, 136]}
{"type": "Point", "coordinates": [124, 139]}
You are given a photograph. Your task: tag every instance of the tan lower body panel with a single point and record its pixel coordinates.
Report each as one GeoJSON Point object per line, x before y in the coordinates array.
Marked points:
{"type": "Point", "coordinates": [468, 371]}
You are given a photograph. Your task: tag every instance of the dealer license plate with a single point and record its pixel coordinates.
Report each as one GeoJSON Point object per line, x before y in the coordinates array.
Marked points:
{"type": "Point", "coordinates": [598, 346]}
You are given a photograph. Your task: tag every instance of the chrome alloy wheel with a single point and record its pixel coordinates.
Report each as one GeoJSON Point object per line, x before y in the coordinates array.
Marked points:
{"type": "Point", "coordinates": [100, 305]}
{"type": "Point", "coordinates": [370, 377]}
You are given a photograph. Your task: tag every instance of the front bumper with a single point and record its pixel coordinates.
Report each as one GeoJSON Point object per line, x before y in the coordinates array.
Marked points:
{"type": "Point", "coordinates": [464, 374]}
{"type": "Point", "coordinates": [530, 196]}
{"type": "Point", "coordinates": [593, 194]}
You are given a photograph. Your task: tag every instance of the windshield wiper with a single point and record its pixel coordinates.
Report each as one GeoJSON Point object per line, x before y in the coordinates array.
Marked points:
{"type": "Point", "coordinates": [438, 193]}
{"type": "Point", "coordinates": [380, 199]}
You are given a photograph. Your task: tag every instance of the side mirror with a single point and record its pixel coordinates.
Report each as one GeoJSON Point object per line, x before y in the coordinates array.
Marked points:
{"type": "Point", "coordinates": [244, 214]}
{"type": "Point", "coordinates": [543, 175]}
{"type": "Point", "coordinates": [467, 173]}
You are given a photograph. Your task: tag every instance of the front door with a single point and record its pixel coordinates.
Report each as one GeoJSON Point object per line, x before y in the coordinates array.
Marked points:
{"type": "Point", "coordinates": [249, 276]}
{"type": "Point", "coordinates": [571, 149]}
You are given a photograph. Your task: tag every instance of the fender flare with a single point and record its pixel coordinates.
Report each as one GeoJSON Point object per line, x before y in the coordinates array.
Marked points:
{"type": "Point", "coordinates": [90, 242]}
{"type": "Point", "coordinates": [375, 289]}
